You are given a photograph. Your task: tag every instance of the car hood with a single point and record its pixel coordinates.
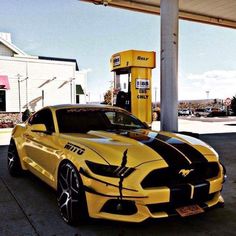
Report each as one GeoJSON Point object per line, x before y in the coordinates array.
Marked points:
{"type": "Point", "coordinates": [144, 146]}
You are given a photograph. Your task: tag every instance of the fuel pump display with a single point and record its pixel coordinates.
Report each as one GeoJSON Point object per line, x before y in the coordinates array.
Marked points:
{"type": "Point", "coordinates": [138, 66]}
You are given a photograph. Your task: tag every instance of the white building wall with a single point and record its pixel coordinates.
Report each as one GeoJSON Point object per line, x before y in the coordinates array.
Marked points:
{"type": "Point", "coordinates": [82, 80]}
{"type": "Point", "coordinates": [39, 71]}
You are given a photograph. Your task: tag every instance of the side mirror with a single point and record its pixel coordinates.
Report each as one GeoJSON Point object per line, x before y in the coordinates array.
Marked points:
{"type": "Point", "coordinates": [39, 128]}
{"type": "Point", "coordinates": [25, 115]}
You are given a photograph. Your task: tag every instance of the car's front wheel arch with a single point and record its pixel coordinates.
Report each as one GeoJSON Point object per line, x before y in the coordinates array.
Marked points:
{"type": "Point", "coordinates": [71, 188]}
{"type": "Point", "coordinates": [13, 160]}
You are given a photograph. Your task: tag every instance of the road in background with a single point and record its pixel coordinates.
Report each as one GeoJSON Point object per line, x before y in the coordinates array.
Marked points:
{"type": "Point", "coordinates": [204, 125]}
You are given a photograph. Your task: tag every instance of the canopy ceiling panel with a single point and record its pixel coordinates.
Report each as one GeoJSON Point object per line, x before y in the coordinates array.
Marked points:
{"type": "Point", "coordinates": [217, 12]}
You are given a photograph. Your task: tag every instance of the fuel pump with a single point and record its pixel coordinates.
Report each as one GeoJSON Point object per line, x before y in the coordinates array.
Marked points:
{"type": "Point", "coordinates": [137, 97]}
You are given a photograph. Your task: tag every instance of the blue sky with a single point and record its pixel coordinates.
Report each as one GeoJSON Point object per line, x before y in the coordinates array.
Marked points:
{"type": "Point", "coordinates": [91, 34]}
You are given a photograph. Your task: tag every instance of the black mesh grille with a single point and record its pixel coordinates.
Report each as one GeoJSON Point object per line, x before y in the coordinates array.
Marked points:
{"type": "Point", "coordinates": [172, 176]}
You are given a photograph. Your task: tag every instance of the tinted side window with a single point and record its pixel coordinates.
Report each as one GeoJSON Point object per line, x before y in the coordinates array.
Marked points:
{"type": "Point", "coordinates": [70, 121]}
{"type": "Point", "coordinates": [43, 117]}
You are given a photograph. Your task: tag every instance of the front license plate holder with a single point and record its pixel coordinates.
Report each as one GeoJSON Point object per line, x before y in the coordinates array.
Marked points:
{"type": "Point", "coordinates": [189, 210]}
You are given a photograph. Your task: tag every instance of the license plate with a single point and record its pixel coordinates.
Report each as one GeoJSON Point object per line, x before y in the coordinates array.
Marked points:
{"type": "Point", "coordinates": [189, 210]}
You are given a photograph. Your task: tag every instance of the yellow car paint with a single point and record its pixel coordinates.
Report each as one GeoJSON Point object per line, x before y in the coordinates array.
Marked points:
{"type": "Point", "coordinates": [42, 153]}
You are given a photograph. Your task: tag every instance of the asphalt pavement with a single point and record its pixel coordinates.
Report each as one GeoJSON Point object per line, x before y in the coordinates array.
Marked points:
{"type": "Point", "coordinates": [28, 206]}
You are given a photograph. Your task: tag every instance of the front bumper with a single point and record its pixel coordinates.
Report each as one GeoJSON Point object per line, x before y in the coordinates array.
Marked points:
{"type": "Point", "coordinates": [143, 212]}
{"type": "Point", "coordinates": [138, 204]}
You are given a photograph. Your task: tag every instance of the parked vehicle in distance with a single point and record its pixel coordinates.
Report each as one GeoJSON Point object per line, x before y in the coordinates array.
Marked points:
{"type": "Point", "coordinates": [217, 112]}
{"type": "Point", "coordinates": [184, 112]}
{"type": "Point", "coordinates": [208, 109]}
{"type": "Point", "coordinates": [201, 112]}
{"type": "Point", "coordinates": [231, 113]}
{"type": "Point", "coordinates": [156, 113]}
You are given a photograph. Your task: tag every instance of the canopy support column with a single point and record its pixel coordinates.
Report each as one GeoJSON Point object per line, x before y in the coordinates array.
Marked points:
{"type": "Point", "coordinates": [169, 64]}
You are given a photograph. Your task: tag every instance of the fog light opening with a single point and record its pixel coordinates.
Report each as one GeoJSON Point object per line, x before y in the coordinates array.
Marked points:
{"type": "Point", "coordinates": [120, 207]}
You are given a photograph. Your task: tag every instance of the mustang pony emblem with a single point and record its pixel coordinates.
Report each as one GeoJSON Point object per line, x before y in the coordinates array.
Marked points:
{"type": "Point", "coordinates": [185, 172]}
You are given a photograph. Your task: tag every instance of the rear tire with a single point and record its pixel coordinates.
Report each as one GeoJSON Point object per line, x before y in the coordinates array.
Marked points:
{"type": "Point", "coordinates": [13, 160]}
{"type": "Point", "coordinates": [71, 196]}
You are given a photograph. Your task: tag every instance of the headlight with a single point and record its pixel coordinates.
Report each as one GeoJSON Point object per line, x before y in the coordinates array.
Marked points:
{"type": "Point", "coordinates": [109, 170]}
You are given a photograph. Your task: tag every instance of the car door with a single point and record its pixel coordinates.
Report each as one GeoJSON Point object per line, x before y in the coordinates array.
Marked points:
{"type": "Point", "coordinates": [42, 147]}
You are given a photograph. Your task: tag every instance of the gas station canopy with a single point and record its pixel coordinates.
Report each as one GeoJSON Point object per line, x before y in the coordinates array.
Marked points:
{"type": "Point", "coordinates": [216, 12]}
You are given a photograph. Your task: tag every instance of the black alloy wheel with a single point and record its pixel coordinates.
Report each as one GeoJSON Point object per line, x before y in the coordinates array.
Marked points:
{"type": "Point", "coordinates": [71, 196]}
{"type": "Point", "coordinates": [13, 160]}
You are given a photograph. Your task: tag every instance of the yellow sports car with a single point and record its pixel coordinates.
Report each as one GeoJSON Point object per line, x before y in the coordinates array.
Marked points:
{"type": "Point", "coordinates": [105, 163]}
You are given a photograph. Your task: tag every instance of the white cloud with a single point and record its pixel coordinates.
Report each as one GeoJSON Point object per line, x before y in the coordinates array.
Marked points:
{"type": "Point", "coordinates": [214, 74]}
{"type": "Point", "coordinates": [219, 83]}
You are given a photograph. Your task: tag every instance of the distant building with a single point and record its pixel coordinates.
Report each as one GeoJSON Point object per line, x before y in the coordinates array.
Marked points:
{"type": "Point", "coordinates": [36, 81]}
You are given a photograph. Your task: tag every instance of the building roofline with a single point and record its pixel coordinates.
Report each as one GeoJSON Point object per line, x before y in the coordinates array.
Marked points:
{"type": "Point", "coordinates": [13, 47]}
{"type": "Point", "coordinates": [59, 59]}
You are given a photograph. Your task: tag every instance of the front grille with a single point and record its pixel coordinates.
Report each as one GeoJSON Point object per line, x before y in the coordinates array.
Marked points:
{"type": "Point", "coordinates": [170, 207]}
{"type": "Point", "coordinates": [171, 176]}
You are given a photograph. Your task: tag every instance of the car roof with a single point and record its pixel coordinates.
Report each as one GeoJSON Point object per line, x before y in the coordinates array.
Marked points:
{"type": "Point", "coordinates": [82, 106]}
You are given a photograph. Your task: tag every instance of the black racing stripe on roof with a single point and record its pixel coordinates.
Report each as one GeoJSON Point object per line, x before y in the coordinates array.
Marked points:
{"type": "Point", "coordinates": [190, 152]}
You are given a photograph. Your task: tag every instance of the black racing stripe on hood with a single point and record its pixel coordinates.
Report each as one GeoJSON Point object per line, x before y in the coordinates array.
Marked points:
{"type": "Point", "coordinates": [171, 156]}
{"type": "Point", "coordinates": [190, 152]}
{"type": "Point", "coordinates": [193, 155]}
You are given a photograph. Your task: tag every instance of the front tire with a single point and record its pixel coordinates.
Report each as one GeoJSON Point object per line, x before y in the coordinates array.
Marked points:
{"type": "Point", "coordinates": [13, 160]}
{"type": "Point", "coordinates": [71, 196]}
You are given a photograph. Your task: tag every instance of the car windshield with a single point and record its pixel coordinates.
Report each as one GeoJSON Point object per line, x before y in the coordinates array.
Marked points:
{"type": "Point", "coordinates": [78, 120]}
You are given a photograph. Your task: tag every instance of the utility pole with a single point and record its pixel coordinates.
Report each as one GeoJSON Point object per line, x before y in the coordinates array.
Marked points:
{"type": "Point", "coordinates": [111, 89]}
{"type": "Point", "coordinates": [42, 98]}
{"type": "Point", "coordinates": [71, 91]}
{"type": "Point", "coordinates": [71, 88]}
{"type": "Point", "coordinates": [18, 77]}
{"type": "Point", "coordinates": [26, 85]}
{"type": "Point", "coordinates": [26, 90]}
{"type": "Point", "coordinates": [155, 96]}
{"type": "Point", "coordinates": [19, 90]}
